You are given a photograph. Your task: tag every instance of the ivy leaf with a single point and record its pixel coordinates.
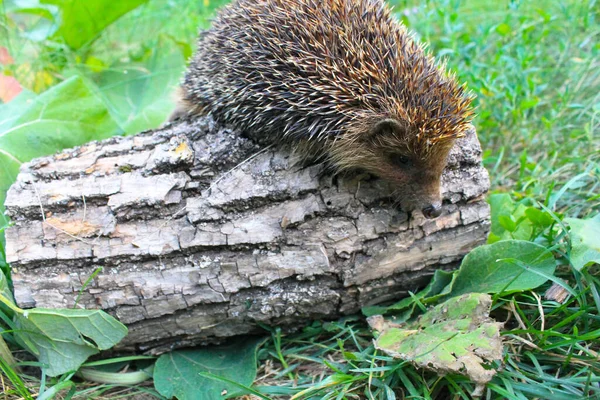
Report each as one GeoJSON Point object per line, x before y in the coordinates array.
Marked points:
{"type": "Point", "coordinates": [457, 336]}
{"type": "Point", "coordinates": [585, 241]}
{"type": "Point", "coordinates": [177, 374]}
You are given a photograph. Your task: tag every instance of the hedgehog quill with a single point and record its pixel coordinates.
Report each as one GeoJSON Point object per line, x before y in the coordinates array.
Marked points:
{"type": "Point", "coordinates": [342, 78]}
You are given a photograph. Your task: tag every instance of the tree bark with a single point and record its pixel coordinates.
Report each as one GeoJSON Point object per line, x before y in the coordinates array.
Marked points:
{"type": "Point", "coordinates": [201, 235]}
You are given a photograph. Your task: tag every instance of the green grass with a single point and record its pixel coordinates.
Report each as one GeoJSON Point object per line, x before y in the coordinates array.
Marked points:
{"type": "Point", "coordinates": [535, 69]}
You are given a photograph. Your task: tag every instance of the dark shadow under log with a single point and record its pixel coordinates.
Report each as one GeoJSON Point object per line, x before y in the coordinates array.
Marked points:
{"type": "Point", "coordinates": [200, 234]}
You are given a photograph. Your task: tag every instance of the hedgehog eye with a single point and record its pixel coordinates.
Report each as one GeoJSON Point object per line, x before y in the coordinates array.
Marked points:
{"type": "Point", "coordinates": [401, 161]}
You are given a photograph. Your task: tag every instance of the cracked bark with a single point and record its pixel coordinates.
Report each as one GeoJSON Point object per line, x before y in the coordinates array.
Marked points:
{"type": "Point", "coordinates": [195, 247]}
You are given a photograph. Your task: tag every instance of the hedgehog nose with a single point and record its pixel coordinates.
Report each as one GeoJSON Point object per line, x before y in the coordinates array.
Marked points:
{"type": "Point", "coordinates": [432, 211]}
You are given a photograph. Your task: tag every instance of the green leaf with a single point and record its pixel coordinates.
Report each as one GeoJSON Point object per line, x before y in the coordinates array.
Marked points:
{"type": "Point", "coordinates": [140, 96]}
{"type": "Point", "coordinates": [5, 289]}
{"type": "Point", "coordinates": [405, 308]}
{"type": "Point", "coordinates": [177, 374]}
{"type": "Point", "coordinates": [500, 205]}
{"type": "Point", "coordinates": [523, 227]}
{"type": "Point", "coordinates": [63, 339]}
{"type": "Point", "coordinates": [9, 168]}
{"type": "Point", "coordinates": [9, 165]}
{"type": "Point", "coordinates": [67, 115]}
{"type": "Point", "coordinates": [509, 220]}
{"type": "Point", "coordinates": [457, 336]}
{"type": "Point", "coordinates": [529, 103]}
{"type": "Point", "coordinates": [52, 392]}
{"type": "Point", "coordinates": [3, 265]}
{"type": "Point", "coordinates": [81, 22]}
{"type": "Point", "coordinates": [6, 357]}
{"type": "Point", "coordinates": [503, 29]}
{"type": "Point", "coordinates": [507, 223]}
{"type": "Point", "coordinates": [585, 241]}
{"type": "Point", "coordinates": [10, 111]}
{"type": "Point", "coordinates": [329, 382]}
{"type": "Point", "coordinates": [116, 378]}
{"type": "Point", "coordinates": [40, 28]}
{"type": "Point", "coordinates": [539, 218]}
{"type": "Point", "coordinates": [439, 286]}
{"type": "Point", "coordinates": [504, 266]}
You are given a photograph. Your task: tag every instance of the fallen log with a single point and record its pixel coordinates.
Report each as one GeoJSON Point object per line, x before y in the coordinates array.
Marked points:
{"type": "Point", "coordinates": [199, 234]}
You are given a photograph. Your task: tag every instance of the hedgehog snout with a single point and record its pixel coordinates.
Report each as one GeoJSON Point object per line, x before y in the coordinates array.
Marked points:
{"type": "Point", "coordinates": [428, 195]}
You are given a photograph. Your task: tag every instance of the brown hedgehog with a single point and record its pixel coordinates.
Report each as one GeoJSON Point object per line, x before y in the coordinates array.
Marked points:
{"type": "Point", "coordinates": [342, 76]}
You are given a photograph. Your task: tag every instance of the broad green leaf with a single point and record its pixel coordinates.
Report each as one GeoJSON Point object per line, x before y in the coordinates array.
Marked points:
{"type": "Point", "coordinates": [140, 96]}
{"type": "Point", "coordinates": [81, 22]}
{"type": "Point", "coordinates": [457, 336]}
{"type": "Point", "coordinates": [405, 308]}
{"type": "Point", "coordinates": [10, 112]}
{"type": "Point", "coordinates": [63, 339]}
{"type": "Point", "coordinates": [177, 374]}
{"type": "Point", "coordinates": [504, 266]}
{"type": "Point", "coordinates": [67, 115]}
{"type": "Point", "coordinates": [585, 241]}
{"type": "Point", "coordinates": [9, 165]}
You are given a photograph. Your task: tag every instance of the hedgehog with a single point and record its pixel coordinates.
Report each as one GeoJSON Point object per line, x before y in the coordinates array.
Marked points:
{"type": "Point", "coordinates": [342, 79]}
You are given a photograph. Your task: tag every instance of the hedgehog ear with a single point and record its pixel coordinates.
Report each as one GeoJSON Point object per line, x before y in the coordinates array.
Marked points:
{"type": "Point", "coordinates": [385, 126]}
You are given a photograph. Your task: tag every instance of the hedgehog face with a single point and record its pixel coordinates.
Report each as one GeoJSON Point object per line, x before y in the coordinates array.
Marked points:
{"type": "Point", "coordinates": [386, 148]}
{"type": "Point", "coordinates": [416, 181]}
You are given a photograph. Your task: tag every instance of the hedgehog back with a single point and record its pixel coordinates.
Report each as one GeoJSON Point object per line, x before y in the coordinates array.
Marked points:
{"type": "Point", "coordinates": [306, 68]}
